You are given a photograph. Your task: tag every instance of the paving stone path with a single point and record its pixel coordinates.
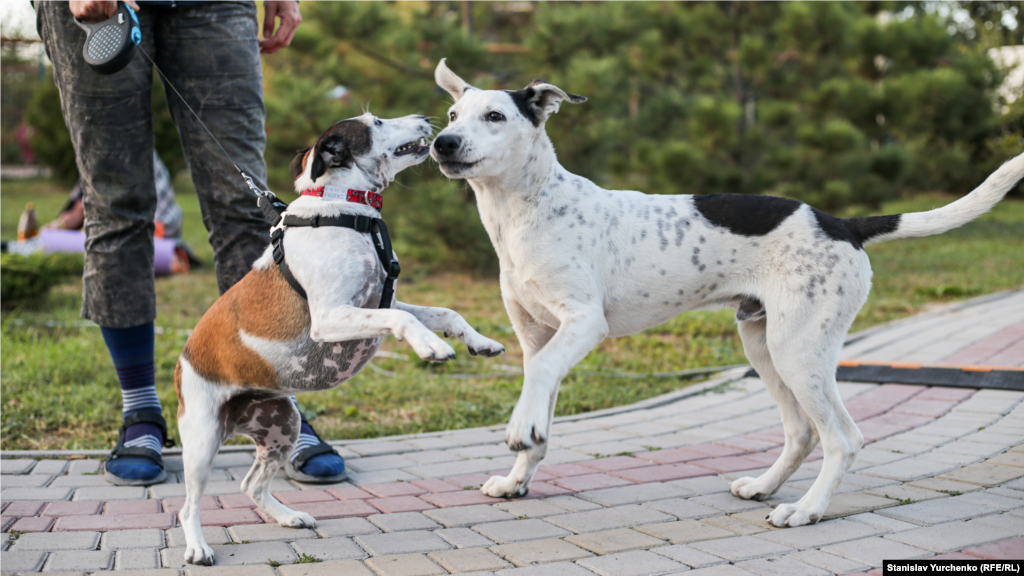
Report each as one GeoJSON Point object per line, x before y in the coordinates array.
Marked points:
{"type": "Point", "coordinates": [633, 491]}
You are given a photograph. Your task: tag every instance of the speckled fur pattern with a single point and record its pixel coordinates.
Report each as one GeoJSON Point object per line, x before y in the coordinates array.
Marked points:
{"type": "Point", "coordinates": [261, 341]}
{"type": "Point", "coordinates": [580, 263]}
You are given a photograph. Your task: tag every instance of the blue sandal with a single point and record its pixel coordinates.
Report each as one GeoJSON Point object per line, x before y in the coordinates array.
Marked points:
{"type": "Point", "coordinates": [317, 464]}
{"type": "Point", "coordinates": [136, 465]}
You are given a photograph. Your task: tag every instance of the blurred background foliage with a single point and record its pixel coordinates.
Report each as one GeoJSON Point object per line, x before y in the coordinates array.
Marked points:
{"type": "Point", "coordinates": [840, 105]}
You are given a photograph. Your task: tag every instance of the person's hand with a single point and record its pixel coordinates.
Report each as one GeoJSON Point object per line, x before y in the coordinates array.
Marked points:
{"type": "Point", "coordinates": [97, 10]}
{"type": "Point", "coordinates": [288, 12]}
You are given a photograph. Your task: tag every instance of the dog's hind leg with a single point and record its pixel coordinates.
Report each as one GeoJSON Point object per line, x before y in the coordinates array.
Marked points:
{"type": "Point", "coordinates": [201, 432]}
{"type": "Point", "coordinates": [805, 345]}
{"type": "Point", "coordinates": [273, 423]}
{"type": "Point", "coordinates": [801, 437]}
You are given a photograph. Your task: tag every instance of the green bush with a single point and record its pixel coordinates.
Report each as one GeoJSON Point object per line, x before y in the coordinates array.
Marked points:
{"type": "Point", "coordinates": [27, 278]}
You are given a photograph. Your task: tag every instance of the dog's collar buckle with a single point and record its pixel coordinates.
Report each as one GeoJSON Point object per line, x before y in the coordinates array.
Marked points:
{"type": "Point", "coordinates": [370, 198]}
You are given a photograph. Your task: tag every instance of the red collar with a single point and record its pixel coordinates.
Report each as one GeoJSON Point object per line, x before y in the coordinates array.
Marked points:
{"type": "Point", "coordinates": [372, 199]}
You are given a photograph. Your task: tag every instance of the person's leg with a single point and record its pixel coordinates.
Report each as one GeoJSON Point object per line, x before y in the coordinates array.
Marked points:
{"type": "Point", "coordinates": [110, 120]}
{"type": "Point", "coordinates": [211, 54]}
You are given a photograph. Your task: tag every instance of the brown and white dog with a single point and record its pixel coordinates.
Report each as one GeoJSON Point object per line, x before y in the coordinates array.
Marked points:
{"type": "Point", "coordinates": [261, 342]}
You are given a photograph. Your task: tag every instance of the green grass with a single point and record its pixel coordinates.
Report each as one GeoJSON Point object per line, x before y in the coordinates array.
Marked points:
{"type": "Point", "coordinates": [60, 389]}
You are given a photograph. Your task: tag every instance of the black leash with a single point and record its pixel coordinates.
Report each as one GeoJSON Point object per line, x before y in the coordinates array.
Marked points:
{"type": "Point", "coordinates": [274, 210]}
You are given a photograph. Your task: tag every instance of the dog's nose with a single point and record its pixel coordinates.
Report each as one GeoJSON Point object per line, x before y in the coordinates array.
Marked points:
{"type": "Point", "coordinates": [447, 145]}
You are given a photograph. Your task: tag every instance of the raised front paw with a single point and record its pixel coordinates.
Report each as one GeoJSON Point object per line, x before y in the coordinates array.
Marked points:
{"type": "Point", "coordinates": [505, 487]}
{"type": "Point", "coordinates": [200, 554]}
{"type": "Point", "coordinates": [482, 346]}
{"type": "Point", "coordinates": [430, 346]}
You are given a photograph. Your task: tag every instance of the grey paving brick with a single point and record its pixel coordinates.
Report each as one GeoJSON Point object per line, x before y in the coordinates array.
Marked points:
{"type": "Point", "coordinates": [248, 570]}
{"type": "Point", "coordinates": [935, 512]}
{"type": "Point", "coordinates": [212, 534]}
{"type": "Point", "coordinates": [137, 559]}
{"type": "Point", "coordinates": [36, 494]}
{"type": "Point", "coordinates": [464, 538]}
{"type": "Point", "coordinates": [990, 500]}
{"type": "Point", "coordinates": [683, 509]}
{"type": "Point", "coordinates": [951, 537]}
{"type": "Point", "coordinates": [553, 569]}
{"type": "Point", "coordinates": [344, 527]}
{"type": "Point", "coordinates": [50, 467]}
{"type": "Point", "coordinates": [331, 568]}
{"type": "Point", "coordinates": [432, 456]}
{"type": "Point", "coordinates": [782, 566]}
{"type": "Point", "coordinates": [572, 504]}
{"type": "Point", "coordinates": [214, 488]}
{"type": "Point", "coordinates": [108, 493]}
{"type": "Point", "coordinates": [983, 474]}
{"type": "Point", "coordinates": [448, 469]}
{"type": "Point", "coordinates": [235, 554]}
{"type": "Point", "coordinates": [540, 552]}
{"type": "Point", "coordinates": [26, 481]}
{"type": "Point", "coordinates": [945, 485]}
{"type": "Point", "coordinates": [401, 543]}
{"type": "Point", "coordinates": [685, 531]}
{"type": "Point", "coordinates": [821, 534]}
{"type": "Point", "coordinates": [268, 532]}
{"type": "Point", "coordinates": [1003, 522]}
{"type": "Point", "coordinates": [150, 572]}
{"type": "Point", "coordinates": [903, 492]}
{"type": "Point", "coordinates": [1006, 492]}
{"type": "Point", "coordinates": [376, 463]}
{"type": "Point", "coordinates": [689, 556]}
{"type": "Point", "coordinates": [612, 541]}
{"type": "Point", "coordinates": [564, 456]}
{"type": "Point", "coordinates": [468, 515]}
{"type": "Point", "coordinates": [829, 562]}
{"type": "Point", "coordinates": [329, 549]}
{"type": "Point", "coordinates": [57, 541]}
{"type": "Point", "coordinates": [380, 448]}
{"type": "Point", "coordinates": [726, 502]}
{"type": "Point", "coordinates": [16, 465]}
{"type": "Point", "coordinates": [532, 508]}
{"type": "Point", "coordinates": [403, 521]}
{"type": "Point", "coordinates": [469, 560]}
{"type": "Point", "coordinates": [883, 523]}
{"type": "Point", "coordinates": [405, 565]}
{"type": "Point", "coordinates": [79, 481]}
{"type": "Point", "coordinates": [872, 551]}
{"type": "Point", "coordinates": [738, 524]}
{"type": "Point", "coordinates": [855, 503]}
{"type": "Point", "coordinates": [230, 459]}
{"type": "Point", "coordinates": [88, 466]}
{"type": "Point", "coordinates": [634, 563]}
{"type": "Point", "coordinates": [742, 548]}
{"type": "Point", "coordinates": [635, 494]}
{"type": "Point", "coordinates": [519, 531]}
{"type": "Point", "coordinates": [608, 518]}
{"type": "Point", "coordinates": [119, 539]}
{"type": "Point", "coordinates": [22, 561]}
{"type": "Point", "coordinates": [909, 470]}
{"type": "Point", "coordinates": [79, 561]}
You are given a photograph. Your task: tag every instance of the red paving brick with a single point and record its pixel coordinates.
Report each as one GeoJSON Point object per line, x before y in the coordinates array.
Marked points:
{"type": "Point", "coordinates": [434, 485]}
{"type": "Point", "coordinates": [662, 473]}
{"type": "Point", "coordinates": [942, 393]}
{"type": "Point", "coordinates": [174, 505]}
{"type": "Point", "coordinates": [1012, 549]}
{"type": "Point", "coordinates": [6, 521]}
{"type": "Point", "coordinates": [538, 476]}
{"type": "Point", "coordinates": [349, 493]}
{"type": "Point", "coordinates": [674, 456]}
{"type": "Point", "coordinates": [874, 431]}
{"type": "Point", "coordinates": [727, 464]}
{"type": "Point", "coordinates": [302, 496]}
{"type": "Point", "coordinates": [399, 504]}
{"type": "Point", "coordinates": [897, 419]}
{"type": "Point", "coordinates": [764, 458]}
{"type": "Point", "coordinates": [545, 489]}
{"type": "Point", "coordinates": [228, 517]}
{"type": "Point", "coordinates": [615, 463]}
{"type": "Point", "coordinates": [461, 498]}
{"type": "Point", "coordinates": [1012, 356]}
{"type": "Point", "coordinates": [980, 352]}
{"type": "Point", "coordinates": [774, 434]}
{"type": "Point", "coordinates": [4, 505]}
{"type": "Point", "coordinates": [716, 450]}
{"type": "Point", "coordinates": [65, 508]}
{"type": "Point", "coordinates": [566, 470]}
{"type": "Point", "coordinates": [235, 501]}
{"type": "Point", "coordinates": [931, 408]}
{"type": "Point", "coordinates": [471, 480]}
{"type": "Point", "coordinates": [33, 524]}
{"type": "Point", "coordinates": [591, 482]}
{"type": "Point", "coordinates": [860, 411]}
{"type": "Point", "coordinates": [127, 522]}
{"type": "Point", "coordinates": [134, 507]}
{"type": "Point", "coordinates": [890, 393]}
{"type": "Point", "coordinates": [33, 508]}
{"type": "Point", "coordinates": [748, 444]}
{"type": "Point", "coordinates": [394, 489]}
{"type": "Point", "coordinates": [336, 509]}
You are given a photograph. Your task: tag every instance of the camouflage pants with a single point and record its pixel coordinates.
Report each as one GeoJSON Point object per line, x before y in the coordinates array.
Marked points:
{"type": "Point", "coordinates": [210, 53]}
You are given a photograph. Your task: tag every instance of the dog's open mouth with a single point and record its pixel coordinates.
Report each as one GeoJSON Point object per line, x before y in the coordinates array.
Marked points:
{"type": "Point", "coordinates": [414, 147]}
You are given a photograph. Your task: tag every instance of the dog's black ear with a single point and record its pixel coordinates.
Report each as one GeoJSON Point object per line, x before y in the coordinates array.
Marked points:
{"type": "Point", "coordinates": [539, 100]}
{"type": "Point", "coordinates": [298, 165]}
{"type": "Point", "coordinates": [330, 151]}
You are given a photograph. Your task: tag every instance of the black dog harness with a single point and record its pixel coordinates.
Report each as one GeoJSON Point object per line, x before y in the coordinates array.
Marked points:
{"type": "Point", "coordinates": [274, 210]}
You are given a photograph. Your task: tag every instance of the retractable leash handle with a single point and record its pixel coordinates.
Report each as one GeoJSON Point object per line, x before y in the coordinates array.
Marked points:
{"type": "Point", "coordinates": [110, 45]}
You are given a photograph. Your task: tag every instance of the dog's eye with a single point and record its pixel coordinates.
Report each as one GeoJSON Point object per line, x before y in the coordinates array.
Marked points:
{"type": "Point", "coordinates": [378, 122]}
{"type": "Point", "coordinates": [495, 117]}
{"type": "Point", "coordinates": [451, 116]}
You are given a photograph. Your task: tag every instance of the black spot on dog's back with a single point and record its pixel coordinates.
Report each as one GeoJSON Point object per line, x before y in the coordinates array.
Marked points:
{"type": "Point", "coordinates": [743, 214]}
{"type": "Point", "coordinates": [856, 231]}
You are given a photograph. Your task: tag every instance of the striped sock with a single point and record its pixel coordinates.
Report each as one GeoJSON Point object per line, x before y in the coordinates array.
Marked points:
{"type": "Point", "coordinates": [131, 349]}
{"type": "Point", "coordinates": [307, 436]}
